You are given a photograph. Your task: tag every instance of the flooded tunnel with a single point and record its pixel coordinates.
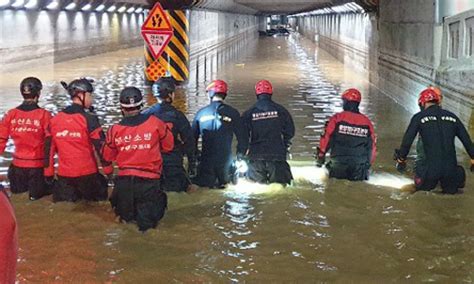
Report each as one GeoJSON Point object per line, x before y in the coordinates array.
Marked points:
{"type": "Point", "coordinates": [318, 229]}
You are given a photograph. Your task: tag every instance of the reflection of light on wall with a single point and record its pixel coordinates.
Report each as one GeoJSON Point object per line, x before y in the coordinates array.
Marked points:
{"type": "Point", "coordinates": [115, 26]}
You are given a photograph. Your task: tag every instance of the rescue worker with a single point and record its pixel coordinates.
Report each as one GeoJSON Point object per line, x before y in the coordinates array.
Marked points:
{"type": "Point", "coordinates": [136, 144]}
{"type": "Point", "coordinates": [269, 129]}
{"type": "Point", "coordinates": [8, 240]}
{"type": "Point", "coordinates": [438, 129]}
{"type": "Point", "coordinates": [420, 161]}
{"type": "Point", "coordinates": [77, 138]}
{"type": "Point", "coordinates": [350, 137]}
{"type": "Point", "coordinates": [174, 176]}
{"type": "Point", "coordinates": [28, 126]}
{"type": "Point", "coordinates": [216, 124]}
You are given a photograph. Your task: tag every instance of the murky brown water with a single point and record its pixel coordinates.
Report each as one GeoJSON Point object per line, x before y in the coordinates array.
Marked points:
{"type": "Point", "coordinates": [314, 231]}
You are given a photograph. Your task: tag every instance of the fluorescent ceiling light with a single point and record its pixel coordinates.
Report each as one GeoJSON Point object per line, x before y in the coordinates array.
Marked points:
{"type": "Point", "coordinates": [52, 5]}
{"type": "Point", "coordinates": [31, 4]}
{"type": "Point", "coordinates": [351, 7]}
{"type": "Point", "coordinates": [111, 8]}
{"type": "Point", "coordinates": [70, 6]}
{"type": "Point", "coordinates": [139, 10]}
{"type": "Point", "coordinates": [131, 10]}
{"type": "Point", "coordinates": [122, 9]}
{"type": "Point", "coordinates": [18, 3]}
{"type": "Point", "coordinates": [86, 7]}
{"type": "Point", "coordinates": [4, 3]}
{"type": "Point", "coordinates": [100, 8]}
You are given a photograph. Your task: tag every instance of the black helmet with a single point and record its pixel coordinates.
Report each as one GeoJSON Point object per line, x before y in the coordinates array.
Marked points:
{"type": "Point", "coordinates": [30, 87]}
{"type": "Point", "coordinates": [131, 97]}
{"type": "Point", "coordinates": [78, 86]}
{"type": "Point", "coordinates": [163, 87]}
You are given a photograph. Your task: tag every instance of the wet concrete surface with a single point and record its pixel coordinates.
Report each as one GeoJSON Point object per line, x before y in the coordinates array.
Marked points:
{"type": "Point", "coordinates": [317, 230]}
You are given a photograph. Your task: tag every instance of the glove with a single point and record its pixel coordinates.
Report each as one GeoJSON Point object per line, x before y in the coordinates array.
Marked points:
{"type": "Point", "coordinates": [472, 165]}
{"type": "Point", "coordinates": [401, 166]}
{"type": "Point", "coordinates": [320, 158]}
{"type": "Point", "coordinates": [401, 162]}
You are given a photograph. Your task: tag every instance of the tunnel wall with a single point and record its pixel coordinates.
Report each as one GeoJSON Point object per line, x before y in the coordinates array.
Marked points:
{"type": "Point", "coordinates": [348, 37]}
{"type": "Point", "coordinates": [404, 49]}
{"type": "Point", "coordinates": [45, 37]}
{"type": "Point", "coordinates": [35, 38]}
{"type": "Point", "coordinates": [210, 29]}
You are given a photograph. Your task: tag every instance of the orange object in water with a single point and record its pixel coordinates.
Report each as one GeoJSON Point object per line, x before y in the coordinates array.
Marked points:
{"type": "Point", "coordinates": [8, 241]}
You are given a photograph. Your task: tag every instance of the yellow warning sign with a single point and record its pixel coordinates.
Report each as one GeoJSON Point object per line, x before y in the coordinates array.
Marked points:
{"type": "Point", "coordinates": [155, 71]}
{"type": "Point", "coordinates": [157, 20]}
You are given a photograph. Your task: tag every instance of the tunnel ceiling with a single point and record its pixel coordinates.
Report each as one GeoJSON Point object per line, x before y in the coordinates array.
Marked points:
{"type": "Point", "coordinates": [281, 7]}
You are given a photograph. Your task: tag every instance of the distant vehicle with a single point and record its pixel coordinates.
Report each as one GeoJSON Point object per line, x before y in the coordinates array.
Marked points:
{"type": "Point", "coordinates": [283, 31]}
{"type": "Point", "coordinates": [280, 31]}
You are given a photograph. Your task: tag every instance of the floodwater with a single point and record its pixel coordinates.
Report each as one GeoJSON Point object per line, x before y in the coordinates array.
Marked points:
{"type": "Point", "coordinates": [317, 230]}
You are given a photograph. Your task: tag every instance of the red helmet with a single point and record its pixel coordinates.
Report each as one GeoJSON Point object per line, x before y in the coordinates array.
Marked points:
{"type": "Point", "coordinates": [428, 95]}
{"type": "Point", "coordinates": [352, 95]}
{"type": "Point", "coordinates": [437, 91]}
{"type": "Point", "coordinates": [263, 87]}
{"type": "Point", "coordinates": [217, 87]}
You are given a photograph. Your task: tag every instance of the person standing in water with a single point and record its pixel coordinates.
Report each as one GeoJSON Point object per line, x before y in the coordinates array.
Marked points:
{"type": "Point", "coordinates": [438, 129]}
{"type": "Point", "coordinates": [350, 138]}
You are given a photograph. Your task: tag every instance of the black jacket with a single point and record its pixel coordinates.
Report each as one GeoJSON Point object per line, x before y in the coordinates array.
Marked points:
{"type": "Point", "coordinates": [182, 133]}
{"type": "Point", "coordinates": [269, 128]}
{"type": "Point", "coordinates": [216, 124]}
{"type": "Point", "coordinates": [438, 129]}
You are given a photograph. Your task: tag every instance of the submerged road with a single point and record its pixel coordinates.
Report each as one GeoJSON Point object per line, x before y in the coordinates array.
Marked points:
{"type": "Point", "coordinates": [316, 230]}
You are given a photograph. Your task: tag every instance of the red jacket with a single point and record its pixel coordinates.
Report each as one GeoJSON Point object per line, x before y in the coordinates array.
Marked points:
{"type": "Point", "coordinates": [28, 126]}
{"type": "Point", "coordinates": [351, 138]}
{"type": "Point", "coordinates": [76, 138]}
{"type": "Point", "coordinates": [8, 241]}
{"type": "Point", "coordinates": [136, 144]}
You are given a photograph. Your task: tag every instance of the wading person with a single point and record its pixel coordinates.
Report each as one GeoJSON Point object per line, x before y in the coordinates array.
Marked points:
{"type": "Point", "coordinates": [269, 128]}
{"type": "Point", "coordinates": [174, 176]}
{"type": "Point", "coordinates": [216, 124]}
{"type": "Point", "coordinates": [438, 129]}
{"type": "Point", "coordinates": [136, 144]}
{"type": "Point", "coordinates": [77, 138]}
{"type": "Point", "coordinates": [350, 138]}
{"type": "Point", "coordinates": [420, 161]}
{"type": "Point", "coordinates": [28, 126]}
{"type": "Point", "coordinates": [8, 240]}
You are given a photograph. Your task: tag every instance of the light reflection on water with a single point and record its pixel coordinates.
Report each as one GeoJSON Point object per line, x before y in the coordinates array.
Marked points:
{"type": "Point", "coordinates": [316, 229]}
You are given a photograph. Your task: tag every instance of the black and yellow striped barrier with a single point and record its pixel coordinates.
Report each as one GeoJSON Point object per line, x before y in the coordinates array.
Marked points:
{"type": "Point", "coordinates": [177, 51]}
